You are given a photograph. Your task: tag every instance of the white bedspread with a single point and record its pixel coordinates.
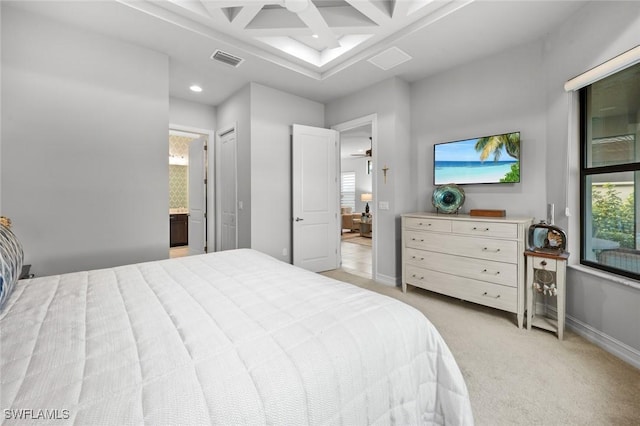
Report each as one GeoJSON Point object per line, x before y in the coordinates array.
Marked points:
{"type": "Point", "coordinates": [225, 338]}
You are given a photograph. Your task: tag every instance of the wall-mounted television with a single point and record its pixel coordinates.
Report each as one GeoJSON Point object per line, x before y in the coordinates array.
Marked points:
{"type": "Point", "coordinates": [489, 159]}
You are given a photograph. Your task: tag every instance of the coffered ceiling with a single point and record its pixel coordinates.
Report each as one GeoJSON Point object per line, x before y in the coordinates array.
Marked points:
{"type": "Point", "coordinates": [358, 43]}
{"type": "Point", "coordinates": [315, 38]}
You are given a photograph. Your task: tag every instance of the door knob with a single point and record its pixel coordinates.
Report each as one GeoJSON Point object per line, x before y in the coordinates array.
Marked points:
{"type": "Point", "coordinates": [298, 219]}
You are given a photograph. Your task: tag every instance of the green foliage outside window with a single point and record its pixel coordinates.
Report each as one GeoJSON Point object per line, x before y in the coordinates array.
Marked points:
{"type": "Point", "coordinates": [613, 218]}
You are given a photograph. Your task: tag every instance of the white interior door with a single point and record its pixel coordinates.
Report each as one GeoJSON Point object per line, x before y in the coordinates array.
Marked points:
{"type": "Point", "coordinates": [197, 196]}
{"type": "Point", "coordinates": [228, 190]}
{"type": "Point", "coordinates": [315, 198]}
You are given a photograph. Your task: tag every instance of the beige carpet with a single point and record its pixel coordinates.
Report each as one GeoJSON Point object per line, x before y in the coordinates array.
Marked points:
{"type": "Point", "coordinates": [520, 377]}
{"type": "Point", "coordinates": [355, 238]}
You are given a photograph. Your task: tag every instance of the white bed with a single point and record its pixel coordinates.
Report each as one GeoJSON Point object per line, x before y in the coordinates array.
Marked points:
{"type": "Point", "coordinates": [224, 338]}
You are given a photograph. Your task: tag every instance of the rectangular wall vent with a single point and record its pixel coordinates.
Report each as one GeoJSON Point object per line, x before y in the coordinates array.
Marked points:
{"type": "Point", "coordinates": [227, 58]}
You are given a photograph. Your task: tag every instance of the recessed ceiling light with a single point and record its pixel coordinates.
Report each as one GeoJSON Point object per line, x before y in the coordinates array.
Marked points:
{"type": "Point", "coordinates": [196, 88]}
{"type": "Point", "coordinates": [314, 35]}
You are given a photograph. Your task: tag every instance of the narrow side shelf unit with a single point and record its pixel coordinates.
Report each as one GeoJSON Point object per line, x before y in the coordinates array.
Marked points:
{"type": "Point", "coordinates": [546, 278]}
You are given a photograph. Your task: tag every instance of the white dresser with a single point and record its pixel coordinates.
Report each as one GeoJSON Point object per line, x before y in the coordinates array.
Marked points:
{"type": "Point", "coordinates": [478, 259]}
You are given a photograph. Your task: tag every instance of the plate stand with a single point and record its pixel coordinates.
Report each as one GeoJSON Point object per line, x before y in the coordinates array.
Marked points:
{"type": "Point", "coordinates": [450, 213]}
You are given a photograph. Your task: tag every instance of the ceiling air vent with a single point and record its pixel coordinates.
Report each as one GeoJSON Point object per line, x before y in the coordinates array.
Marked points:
{"type": "Point", "coordinates": [390, 58]}
{"type": "Point", "coordinates": [227, 58]}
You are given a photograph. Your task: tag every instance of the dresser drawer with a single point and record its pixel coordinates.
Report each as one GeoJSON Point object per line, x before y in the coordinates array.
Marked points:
{"type": "Point", "coordinates": [493, 295]}
{"type": "Point", "coordinates": [459, 245]}
{"type": "Point", "coordinates": [428, 224]}
{"type": "Point", "coordinates": [483, 270]}
{"type": "Point", "coordinates": [486, 229]}
{"type": "Point", "coordinates": [542, 263]}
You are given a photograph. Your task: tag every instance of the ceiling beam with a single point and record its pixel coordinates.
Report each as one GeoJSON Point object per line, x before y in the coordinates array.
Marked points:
{"type": "Point", "coordinates": [303, 31]}
{"type": "Point", "coordinates": [220, 4]}
{"type": "Point", "coordinates": [401, 8]}
{"type": "Point", "coordinates": [312, 17]}
{"type": "Point", "coordinates": [370, 10]}
{"type": "Point", "coordinates": [214, 11]}
{"type": "Point", "coordinates": [246, 15]}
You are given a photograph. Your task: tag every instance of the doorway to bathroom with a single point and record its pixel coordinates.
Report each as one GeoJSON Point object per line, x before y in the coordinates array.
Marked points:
{"type": "Point", "coordinates": [187, 193]}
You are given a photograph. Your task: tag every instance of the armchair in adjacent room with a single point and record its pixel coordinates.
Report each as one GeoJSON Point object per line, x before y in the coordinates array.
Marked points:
{"type": "Point", "coordinates": [350, 220]}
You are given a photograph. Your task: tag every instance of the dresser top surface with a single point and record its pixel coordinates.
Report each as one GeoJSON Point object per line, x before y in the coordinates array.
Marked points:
{"type": "Point", "coordinates": [460, 216]}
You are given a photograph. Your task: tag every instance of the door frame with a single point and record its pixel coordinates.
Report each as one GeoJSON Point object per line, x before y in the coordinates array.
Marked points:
{"type": "Point", "coordinates": [209, 172]}
{"type": "Point", "coordinates": [371, 119]}
{"type": "Point", "coordinates": [233, 127]}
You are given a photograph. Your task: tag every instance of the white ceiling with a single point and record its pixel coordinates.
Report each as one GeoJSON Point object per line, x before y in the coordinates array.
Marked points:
{"type": "Point", "coordinates": [355, 142]}
{"type": "Point", "coordinates": [436, 34]}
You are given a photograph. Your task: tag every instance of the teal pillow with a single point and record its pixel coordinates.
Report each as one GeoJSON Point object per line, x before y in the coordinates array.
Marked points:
{"type": "Point", "coordinates": [11, 257]}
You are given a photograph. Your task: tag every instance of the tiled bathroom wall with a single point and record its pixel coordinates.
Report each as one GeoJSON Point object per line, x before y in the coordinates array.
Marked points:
{"type": "Point", "coordinates": [178, 187]}
{"type": "Point", "coordinates": [179, 175]}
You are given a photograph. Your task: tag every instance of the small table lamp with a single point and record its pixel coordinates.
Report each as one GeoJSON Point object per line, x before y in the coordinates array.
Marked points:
{"type": "Point", "coordinates": [366, 197]}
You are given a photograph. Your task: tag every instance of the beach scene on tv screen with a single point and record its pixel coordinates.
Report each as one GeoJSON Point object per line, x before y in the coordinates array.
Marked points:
{"type": "Point", "coordinates": [491, 159]}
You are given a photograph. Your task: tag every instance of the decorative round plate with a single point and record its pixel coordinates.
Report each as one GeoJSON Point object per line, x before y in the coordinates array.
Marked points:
{"type": "Point", "coordinates": [448, 198]}
{"type": "Point", "coordinates": [539, 236]}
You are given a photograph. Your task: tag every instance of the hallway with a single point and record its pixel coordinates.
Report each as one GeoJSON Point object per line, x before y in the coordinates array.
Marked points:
{"type": "Point", "coordinates": [356, 258]}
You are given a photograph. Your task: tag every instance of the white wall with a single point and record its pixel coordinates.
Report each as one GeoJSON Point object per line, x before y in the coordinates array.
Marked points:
{"type": "Point", "coordinates": [602, 309]}
{"type": "Point", "coordinates": [272, 114]}
{"type": "Point", "coordinates": [84, 144]}
{"type": "Point", "coordinates": [400, 175]}
{"type": "Point", "coordinates": [1, 211]}
{"type": "Point", "coordinates": [237, 110]}
{"type": "Point", "coordinates": [390, 101]}
{"type": "Point", "coordinates": [497, 94]}
{"type": "Point", "coordinates": [192, 114]}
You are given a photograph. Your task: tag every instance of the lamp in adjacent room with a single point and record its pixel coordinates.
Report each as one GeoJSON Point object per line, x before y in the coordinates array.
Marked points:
{"type": "Point", "coordinates": [366, 197]}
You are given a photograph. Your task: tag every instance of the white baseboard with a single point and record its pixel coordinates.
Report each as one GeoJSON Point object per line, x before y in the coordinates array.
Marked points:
{"type": "Point", "coordinates": [597, 337]}
{"type": "Point", "coordinates": [606, 342]}
{"type": "Point", "coordinates": [387, 280]}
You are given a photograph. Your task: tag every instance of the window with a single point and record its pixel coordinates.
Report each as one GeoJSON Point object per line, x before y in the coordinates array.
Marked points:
{"type": "Point", "coordinates": [348, 190]}
{"type": "Point", "coordinates": [610, 173]}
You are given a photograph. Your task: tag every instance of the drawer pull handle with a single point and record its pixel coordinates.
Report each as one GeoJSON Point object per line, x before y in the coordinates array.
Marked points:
{"type": "Point", "coordinates": [475, 228]}
{"type": "Point", "coordinates": [495, 297]}
{"type": "Point", "coordinates": [415, 276]}
{"type": "Point", "coordinates": [415, 239]}
{"type": "Point", "coordinates": [487, 249]}
{"type": "Point", "coordinates": [484, 271]}
{"type": "Point", "coordinates": [543, 263]}
{"type": "Point", "coordinates": [414, 257]}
